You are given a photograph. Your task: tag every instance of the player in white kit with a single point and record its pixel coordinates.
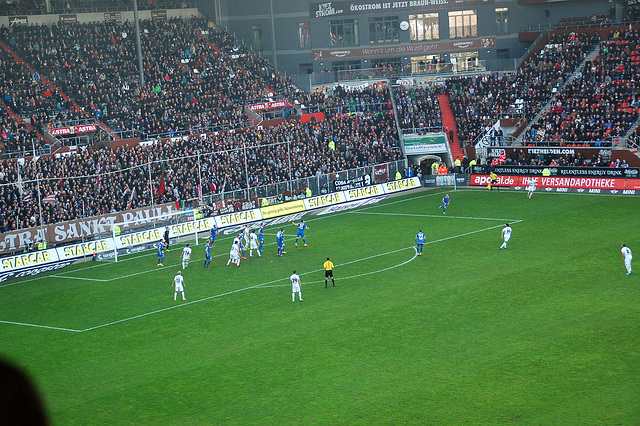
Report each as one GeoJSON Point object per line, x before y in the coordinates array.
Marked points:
{"type": "Point", "coordinates": [253, 244]}
{"type": "Point", "coordinates": [627, 256]}
{"type": "Point", "coordinates": [295, 287]}
{"type": "Point", "coordinates": [234, 254]}
{"type": "Point", "coordinates": [186, 256]}
{"type": "Point", "coordinates": [531, 187]}
{"type": "Point", "coordinates": [246, 239]}
{"type": "Point", "coordinates": [505, 235]}
{"type": "Point", "coordinates": [178, 283]}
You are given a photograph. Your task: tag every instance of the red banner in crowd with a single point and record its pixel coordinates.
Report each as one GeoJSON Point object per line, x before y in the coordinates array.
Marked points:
{"type": "Point", "coordinates": [560, 182]}
{"type": "Point", "coordinates": [270, 105]}
{"type": "Point", "coordinates": [305, 118]}
{"type": "Point", "coordinates": [73, 130]}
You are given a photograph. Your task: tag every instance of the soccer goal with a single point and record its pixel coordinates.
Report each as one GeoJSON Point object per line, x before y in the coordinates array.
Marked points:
{"type": "Point", "coordinates": [144, 233]}
{"type": "Point", "coordinates": [447, 180]}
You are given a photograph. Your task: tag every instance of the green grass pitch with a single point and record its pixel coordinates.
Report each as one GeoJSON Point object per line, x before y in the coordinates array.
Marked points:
{"type": "Point", "coordinates": [545, 332]}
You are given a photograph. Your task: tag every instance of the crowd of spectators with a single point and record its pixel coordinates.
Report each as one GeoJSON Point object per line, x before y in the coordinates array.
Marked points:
{"type": "Point", "coordinates": [197, 76]}
{"type": "Point", "coordinates": [108, 180]}
{"type": "Point", "coordinates": [479, 101]}
{"type": "Point", "coordinates": [602, 102]}
{"type": "Point", "coordinates": [418, 108]}
{"type": "Point", "coordinates": [18, 87]}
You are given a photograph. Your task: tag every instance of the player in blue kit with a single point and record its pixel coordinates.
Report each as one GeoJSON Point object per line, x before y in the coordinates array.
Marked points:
{"type": "Point", "coordinates": [301, 227]}
{"type": "Point", "coordinates": [160, 247]}
{"type": "Point", "coordinates": [445, 203]}
{"type": "Point", "coordinates": [261, 237]}
{"type": "Point", "coordinates": [207, 254]}
{"type": "Point", "coordinates": [214, 232]}
{"type": "Point", "coordinates": [419, 242]}
{"type": "Point", "coordinates": [280, 241]}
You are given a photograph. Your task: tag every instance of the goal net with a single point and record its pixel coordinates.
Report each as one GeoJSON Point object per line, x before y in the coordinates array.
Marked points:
{"type": "Point", "coordinates": [144, 233]}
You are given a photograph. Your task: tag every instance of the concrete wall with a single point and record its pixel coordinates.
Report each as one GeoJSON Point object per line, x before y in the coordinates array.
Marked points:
{"type": "Point", "coordinates": [240, 17]}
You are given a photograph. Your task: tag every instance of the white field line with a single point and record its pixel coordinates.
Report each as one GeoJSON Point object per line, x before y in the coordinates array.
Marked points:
{"type": "Point", "coordinates": [41, 326]}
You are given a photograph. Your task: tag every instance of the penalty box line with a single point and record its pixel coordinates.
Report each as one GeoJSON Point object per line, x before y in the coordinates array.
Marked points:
{"type": "Point", "coordinates": [262, 285]}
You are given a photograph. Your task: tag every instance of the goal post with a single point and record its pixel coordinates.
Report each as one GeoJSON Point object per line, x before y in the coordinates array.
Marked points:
{"type": "Point", "coordinates": [144, 233]}
{"type": "Point", "coordinates": [448, 179]}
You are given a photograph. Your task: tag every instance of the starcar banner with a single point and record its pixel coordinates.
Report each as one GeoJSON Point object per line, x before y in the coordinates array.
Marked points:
{"type": "Point", "coordinates": [324, 200]}
{"type": "Point", "coordinates": [401, 185]}
{"type": "Point", "coordinates": [89, 248]}
{"type": "Point", "coordinates": [366, 192]}
{"type": "Point", "coordinates": [238, 217]}
{"type": "Point", "coordinates": [27, 260]}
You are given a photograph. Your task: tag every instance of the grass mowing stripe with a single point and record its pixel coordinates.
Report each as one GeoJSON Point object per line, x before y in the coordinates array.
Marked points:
{"type": "Point", "coordinates": [436, 215]}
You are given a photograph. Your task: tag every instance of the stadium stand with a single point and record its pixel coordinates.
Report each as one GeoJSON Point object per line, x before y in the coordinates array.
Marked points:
{"type": "Point", "coordinates": [602, 103]}
{"type": "Point", "coordinates": [199, 79]}
{"type": "Point", "coordinates": [478, 102]}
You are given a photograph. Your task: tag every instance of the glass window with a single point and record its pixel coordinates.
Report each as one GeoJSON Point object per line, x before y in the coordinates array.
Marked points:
{"type": "Point", "coordinates": [344, 32]}
{"type": "Point", "coordinates": [424, 26]}
{"type": "Point", "coordinates": [502, 20]}
{"type": "Point", "coordinates": [384, 30]}
{"type": "Point", "coordinates": [425, 64]}
{"type": "Point", "coordinates": [304, 36]}
{"type": "Point", "coordinates": [257, 37]}
{"type": "Point", "coordinates": [465, 61]}
{"type": "Point", "coordinates": [463, 23]}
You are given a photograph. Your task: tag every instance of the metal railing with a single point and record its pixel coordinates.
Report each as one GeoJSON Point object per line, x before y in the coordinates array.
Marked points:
{"type": "Point", "coordinates": [42, 150]}
{"type": "Point", "coordinates": [320, 184]}
{"type": "Point", "coordinates": [129, 133]}
{"type": "Point", "coordinates": [421, 130]}
{"type": "Point", "coordinates": [347, 108]}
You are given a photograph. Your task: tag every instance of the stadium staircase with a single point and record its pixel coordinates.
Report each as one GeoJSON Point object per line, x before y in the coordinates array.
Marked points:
{"type": "Point", "coordinates": [449, 123]}
{"type": "Point", "coordinates": [589, 57]}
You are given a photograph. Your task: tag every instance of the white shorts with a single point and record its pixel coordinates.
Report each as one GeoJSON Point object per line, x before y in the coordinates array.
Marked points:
{"type": "Point", "coordinates": [254, 245]}
{"type": "Point", "coordinates": [179, 287]}
{"type": "Point", "coordinates": [507, 238]}
{"type": "Point", "coordinates": [185, 258]}
{"type": "Point", "coordinates": [295, 288]}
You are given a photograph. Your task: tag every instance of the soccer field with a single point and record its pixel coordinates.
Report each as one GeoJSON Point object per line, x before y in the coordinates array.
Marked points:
{"type": "Point", "coordinates": [544, 332]}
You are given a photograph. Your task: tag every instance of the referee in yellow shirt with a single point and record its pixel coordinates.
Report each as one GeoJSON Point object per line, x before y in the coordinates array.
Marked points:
{"type": "Point", "coordinates": [328, 272]}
